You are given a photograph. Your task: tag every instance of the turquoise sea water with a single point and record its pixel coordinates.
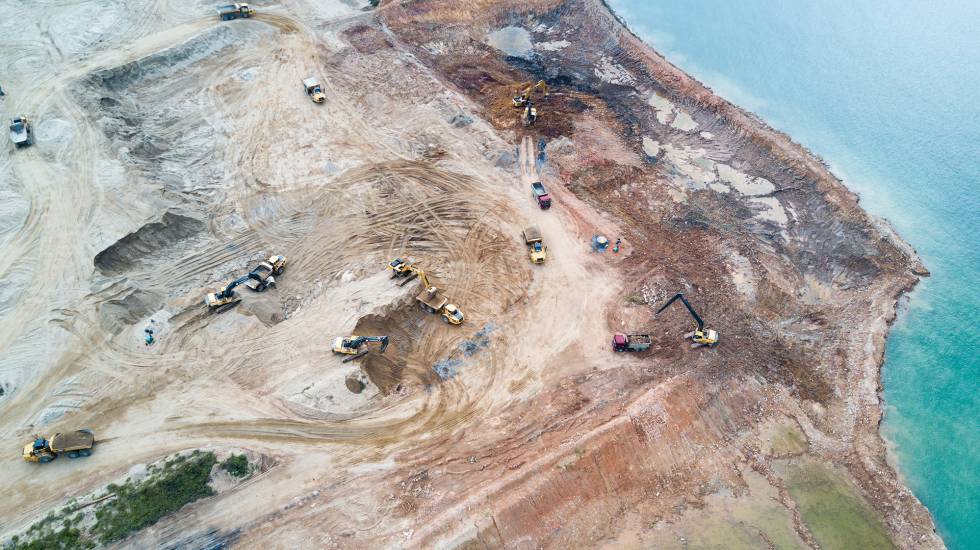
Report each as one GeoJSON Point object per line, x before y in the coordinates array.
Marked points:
{"type": "Point", "coordinates": [889, 94]}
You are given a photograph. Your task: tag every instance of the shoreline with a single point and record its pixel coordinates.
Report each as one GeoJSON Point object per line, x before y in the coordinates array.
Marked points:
{"type": "Point", "coordinates": [882, 224]}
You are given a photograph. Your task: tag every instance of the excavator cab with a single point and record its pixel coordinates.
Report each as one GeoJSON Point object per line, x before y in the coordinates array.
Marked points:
{"type": "Point", "coordinates": [700, 336]}
{"type": "Point", "coordinates": [351, 344]}
{"type": "Point", "coordinates": [525, 95]}
{"type": "Point", "coordinates": [225, 298]}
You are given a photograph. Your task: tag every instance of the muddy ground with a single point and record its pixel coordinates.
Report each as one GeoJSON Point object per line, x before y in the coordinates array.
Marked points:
{"type": "Point", "coordinates": [174, 152]}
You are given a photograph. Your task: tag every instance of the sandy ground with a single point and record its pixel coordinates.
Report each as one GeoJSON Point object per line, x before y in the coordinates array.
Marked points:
{"type": "Point", "coordinates": [175, 151]}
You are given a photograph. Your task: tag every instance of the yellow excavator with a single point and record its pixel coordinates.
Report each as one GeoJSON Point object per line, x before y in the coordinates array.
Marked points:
{"type": "Point", "coordinates": [351, 345]}
{"type": "Point", "coordinates": [431, 299]}
{"type": "Point", "coordinates": [530, 114]}
{"type": "Point", "coordinates": [700, 336]}
{"type": "Point", "coordinates": [525, 95]}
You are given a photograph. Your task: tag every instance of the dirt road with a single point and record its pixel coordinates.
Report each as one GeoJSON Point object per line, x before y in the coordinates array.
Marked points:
{"type": "Point", "coordinates": [345, 191]}
{"type": "Point", "coordinates": [174, 152]}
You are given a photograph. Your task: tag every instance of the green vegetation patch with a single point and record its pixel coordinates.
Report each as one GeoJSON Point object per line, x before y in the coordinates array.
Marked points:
{"type": "Point", "coordinates": [182, 480]}
{"type": "Point", "coordinates": [236, 465]}
{"type": "Point", "coordinates": [837, 516]}
{"type": "Point", "coordinates": [126, 508]}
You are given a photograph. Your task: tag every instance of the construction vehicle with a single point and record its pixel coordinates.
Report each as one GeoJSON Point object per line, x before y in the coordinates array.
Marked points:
{"type": "Point", "coordinates": [631, 342]}
{"type": "Point", "coordinates": [73, 444]}
{"type": "Point", "coordinates": [524, 96]}
{"type": "Point", "coordinates": [536, 249]}
{"type": "Point", "coordinates": [530, 115]}
{"type": "Point", "coordinates": [20, 131]}
{"type": "Point", "coordinates": [235, 11]}
{"type": "Point", "coordinates": [400, 268]}
{"type": "Point", "coordinates": [314, 90]}
{"type": "Point", "coordinates": [700, 336]}
{"type": "Point", "coordinates": [263, 276]}
{"type": "Point", "coordinates": [541, 195]}
{"type": "Point", "coordinates": [351, 344]}
{"type": "Point", "coordinates": [432, 299]}
{"type": "Point", "coordinates": [226, 298]}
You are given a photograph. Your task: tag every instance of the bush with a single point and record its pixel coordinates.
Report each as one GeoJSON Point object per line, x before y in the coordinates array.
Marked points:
{"type": "Point", "coordinates": [236, 465]}
{"type": "Point", "coordinates": [139, 505]}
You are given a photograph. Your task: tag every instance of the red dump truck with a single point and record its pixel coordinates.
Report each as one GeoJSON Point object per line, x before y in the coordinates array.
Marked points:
{"type": "Point", "coordinates": [541, 195]}
{"type": "Point", "coordinates": [631, 342]}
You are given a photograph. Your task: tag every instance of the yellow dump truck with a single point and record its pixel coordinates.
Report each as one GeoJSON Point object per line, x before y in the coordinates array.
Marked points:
{"type": "Point", "coordinates": [72, 444]}
{"type": "Point", "coordinates": [537, 251]}
{"type": "Point", "coordinates": [314, 90]}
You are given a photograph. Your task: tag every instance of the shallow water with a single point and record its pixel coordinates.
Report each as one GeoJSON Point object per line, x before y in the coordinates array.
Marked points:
{"type": "Point", "coordinates": [889, 95]}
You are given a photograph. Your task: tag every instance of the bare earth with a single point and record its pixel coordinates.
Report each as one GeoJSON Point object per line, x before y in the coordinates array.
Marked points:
{"type": "Point", "coordinates": [174, 151]}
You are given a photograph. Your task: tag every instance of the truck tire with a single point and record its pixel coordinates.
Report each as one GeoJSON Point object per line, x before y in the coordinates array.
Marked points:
{"type": "Point", "coordinates": [73, 454]}
{"type": "Point", "coordinates": [445, 319]}
{"type": "Point", "coordinates": [45, 459]}
{"type": "Point", "coordinates": [85, 452]}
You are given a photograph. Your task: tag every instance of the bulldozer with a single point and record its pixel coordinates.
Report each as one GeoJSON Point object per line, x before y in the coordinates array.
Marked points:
{"type": "Point", "coordinates": [700, 336]}
{"type": "Point", "coordinates": [72, 444]}
{"type": "Point", "coordinates": [351, 345]}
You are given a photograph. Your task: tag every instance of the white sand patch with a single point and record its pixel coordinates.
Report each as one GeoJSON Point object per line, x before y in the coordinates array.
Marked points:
{"type": "Point", "coordinates": [514, 41]}
{"type": "Point", "coordinates": [773, 211]}
{"type": "Point", "coordinates": [707, 135]}
{"type": "Point", "coordinates": [613, 73]}
{"type": "Point", "coordinates": [663, 106]}
{"type": "Point", "coordinates": [683, 121]}
{"type": "Point", "coordinates": [743, 183]}
{"type": "Point", "coordinates": [692, 163]}
{"type": "Point", "coordinates": [719, 187]}
{"type": "Point", "coordinates": [742, 275]}
{"type": "Point", "coordinates": [552, 46]}
{"type": "Point", "coordinates": [651, 147]}
{"type": "Point", "coordinates": [676, 195]}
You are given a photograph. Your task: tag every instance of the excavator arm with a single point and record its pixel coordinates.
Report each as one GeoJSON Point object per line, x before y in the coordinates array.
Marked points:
{"type": "Point", "coordinates": [229, 290]}
{"type": "Point", "coordinates": [680, 296]}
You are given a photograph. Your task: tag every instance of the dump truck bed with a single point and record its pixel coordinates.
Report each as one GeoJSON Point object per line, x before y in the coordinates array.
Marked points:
{"type": "Point", "coordinates": [538, 188]}
{"type": "Point", "coordinates": [19, 132]}
{"type": "Point", "coordinates": [71, 441]}
{"type": "Point", "coordinates": [435, 301]}
{"type": "Point", "coordinates": [310, 83]}
{"type": "Point", "coordinates": [532, 234]}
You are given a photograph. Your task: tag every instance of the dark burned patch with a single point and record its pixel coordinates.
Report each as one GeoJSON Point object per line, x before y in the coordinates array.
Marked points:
{"type": "Point", "coordinates": [794, 365]}
{"type": "Point", "coordinates": [148, 241]}
{"type": "Point", "coordinates": [366, 39]}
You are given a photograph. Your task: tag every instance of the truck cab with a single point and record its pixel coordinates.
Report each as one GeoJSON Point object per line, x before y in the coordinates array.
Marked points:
{"type": "Point", "coordinates": [235, 11]}
{"type": "Point", "coordinates": [536, 249]}
{"type": "Point", "coordinates": [631, 342]}
{"type": "Point", "coordinates": [314, 90]}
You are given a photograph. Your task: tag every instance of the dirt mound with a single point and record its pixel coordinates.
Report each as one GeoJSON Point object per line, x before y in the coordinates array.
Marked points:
{"type": "Point", "coordinates": [147, 241]}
